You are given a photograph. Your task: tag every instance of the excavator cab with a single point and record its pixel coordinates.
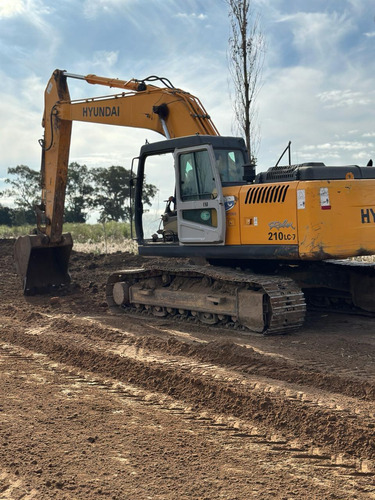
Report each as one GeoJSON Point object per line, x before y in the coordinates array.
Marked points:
{"type": "Point", "coordinates": [199, 214]}
{"type": "Point", "coordinates": [41, 265]}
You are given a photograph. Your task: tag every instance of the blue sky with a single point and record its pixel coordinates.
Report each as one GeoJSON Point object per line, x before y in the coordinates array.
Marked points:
{"type": "Point", "coordinates": [318, 79]}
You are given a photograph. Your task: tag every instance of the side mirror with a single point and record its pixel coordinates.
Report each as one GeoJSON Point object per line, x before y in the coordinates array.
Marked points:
{"type": "Point", "coordinates": [248, 172]}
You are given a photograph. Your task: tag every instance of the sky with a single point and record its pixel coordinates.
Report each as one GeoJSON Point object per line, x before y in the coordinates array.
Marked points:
{"type": "Point", "coordinates": [317, 83]}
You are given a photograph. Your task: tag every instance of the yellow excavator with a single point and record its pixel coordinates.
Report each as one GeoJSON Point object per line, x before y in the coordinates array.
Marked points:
{"type": "Point", "coordinates": [257, 244]}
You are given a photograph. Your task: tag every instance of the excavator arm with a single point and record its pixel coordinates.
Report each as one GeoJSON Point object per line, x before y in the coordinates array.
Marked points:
{"type": "Point", "coordinates": [42, 259]}
{"type": "Point", "coordinates": [169, 111]}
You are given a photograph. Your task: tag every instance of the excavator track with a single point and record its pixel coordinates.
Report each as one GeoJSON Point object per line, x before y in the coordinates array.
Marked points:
{"type": "Point", "coordinates": [213, 295]}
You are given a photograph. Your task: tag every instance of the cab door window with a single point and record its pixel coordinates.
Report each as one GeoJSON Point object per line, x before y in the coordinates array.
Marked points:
{"type": "Point", "coordinates": [196, 177]}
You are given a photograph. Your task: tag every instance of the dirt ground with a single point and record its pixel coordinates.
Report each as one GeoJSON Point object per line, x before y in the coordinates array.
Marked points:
{"type": "Point", "coordinates": [96, 404]}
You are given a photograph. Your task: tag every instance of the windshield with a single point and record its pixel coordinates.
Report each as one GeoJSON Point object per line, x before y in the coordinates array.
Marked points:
{"type": "Point", "coordinates": [230, 165]}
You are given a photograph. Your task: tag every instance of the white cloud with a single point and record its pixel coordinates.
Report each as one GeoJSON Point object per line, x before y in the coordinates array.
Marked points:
{"type": "Point", "coordinates": [342, 145]}
{"type": "Point", "coordinates": [20, 116]}
{"type": "Point", "coordinates": [93, 8]}
{"type": "Point", "coordinates": [370, 34]}
{"type": "Point", "coordinates": [11, 8]}
{"type": "Point", "coordinates": [192, 16]}
{"type": "Point", "coordinates": [324, 124]}
{"type": "Point", "coordinates": [105, 59]}
{"type": "Point", "coordinates": [287, 108]}
{"type": "Point", "coordinates": [32, 34]}
{"type": "Point", "coordinates": [346, 97]}
{"type": "Point", "coordinates": [317, 35]}
{"type": "Point", "coordinates": [31, 9]}
{"type": "Point", "coordinates": [337, 152]}
{"type": "Point", "coordinates": [344, 152]}
{"type": "Point", "coordinates": [32, 12]}
{"type": "Point", "coordinates": [318, 84]}
{"type": "Point", "coordinates": [19, 137]}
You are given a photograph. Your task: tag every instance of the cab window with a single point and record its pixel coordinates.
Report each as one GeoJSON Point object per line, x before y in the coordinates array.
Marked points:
{"type": "Point", "coordinates": [230, 165]}
{"type": "Point", "coordinates": [196, 178]}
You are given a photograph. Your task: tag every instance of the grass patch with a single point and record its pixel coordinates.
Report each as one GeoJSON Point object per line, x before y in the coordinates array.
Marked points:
{"type": "Point", "coordinates": [110, 237]}
{"type": "Point", "coordinates": [97, 233]}
{"type": "Point", "coordinates": [14, 231]}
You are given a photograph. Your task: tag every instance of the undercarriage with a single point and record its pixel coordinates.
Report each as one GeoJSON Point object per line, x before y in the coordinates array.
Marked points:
{"type": "Point", "coordinates": [213, 295]}
{"type": "Point", "coordinates": [273, 302]}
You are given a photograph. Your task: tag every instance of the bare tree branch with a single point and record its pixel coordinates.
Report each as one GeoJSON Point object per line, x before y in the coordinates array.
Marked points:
{"type": "Point", "coordinates": [246, 53]}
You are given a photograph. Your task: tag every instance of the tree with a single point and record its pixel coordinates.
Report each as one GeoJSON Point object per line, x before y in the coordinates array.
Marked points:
{"type": "Point", "coordinates": [112, 193]}
{"type": "Point", "coordinates": [16, 216]}
{"type": "Point", "coordinates": [5, 216]}
{"type": "Point", "coordinates": [25, 191]}
{"type": "Point", "coordinates": [25, 187]}
{"type": "Point", "coordinates": [79, 190]}
{"type": "Point", "coordinates": [105, 189]}
{"type": "Point", "coordinates": [245, 59]}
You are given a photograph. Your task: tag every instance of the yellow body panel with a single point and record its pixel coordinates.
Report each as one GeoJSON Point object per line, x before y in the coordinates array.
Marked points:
{"type": "Point", "coordinates": [338, 219]}
{"type": "Point", "coordinates": [268, 214]}
{"type": "Point", "coordinates": [251, 221]}
{"type": "Point", "coordinates": [326, 219]}
{"type": "Point", "coordinates": [233, 229]}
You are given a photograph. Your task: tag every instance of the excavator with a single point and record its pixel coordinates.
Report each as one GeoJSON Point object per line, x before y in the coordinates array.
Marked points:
{"type": "Point", "coordinates": [234, 248]}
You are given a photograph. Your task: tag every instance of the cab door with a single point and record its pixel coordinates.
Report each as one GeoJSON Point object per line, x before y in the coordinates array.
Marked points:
{"type": "Point", "coordinates": [200, 202]}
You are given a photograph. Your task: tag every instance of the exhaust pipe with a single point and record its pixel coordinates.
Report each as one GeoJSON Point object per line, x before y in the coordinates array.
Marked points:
{"type": "Point", "coordinates": [42, 265]}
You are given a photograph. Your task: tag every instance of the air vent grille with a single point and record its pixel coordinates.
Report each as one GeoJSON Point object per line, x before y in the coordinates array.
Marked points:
{"type": "Point", "coordinates": [266, 194]}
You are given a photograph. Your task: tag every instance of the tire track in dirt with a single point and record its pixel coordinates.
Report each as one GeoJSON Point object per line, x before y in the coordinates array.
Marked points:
{"type": "Point", "coordinates": [220, 352]}
{"type": "Point", "coordinates": [235, 429]}
{"type": "Point", "coordinates": [295, 470]}
{"type": "Point", "coordinates": [225, 353]}
{"type": "Point", "coordinates": [205, 389]}
{"type": "Point", "coordinates": [305, 399]}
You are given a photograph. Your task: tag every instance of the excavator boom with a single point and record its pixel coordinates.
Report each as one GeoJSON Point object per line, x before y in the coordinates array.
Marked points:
{"type": "Point", "coordinates": [42, 259]}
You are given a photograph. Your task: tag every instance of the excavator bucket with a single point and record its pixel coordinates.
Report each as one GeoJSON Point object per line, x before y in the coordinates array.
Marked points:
{"type": "Point", "coordinates": [42, 265]}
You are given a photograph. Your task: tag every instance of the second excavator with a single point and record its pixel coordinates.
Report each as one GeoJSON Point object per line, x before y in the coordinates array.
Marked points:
{"type": "Point", "coordinates": [258, 244]}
